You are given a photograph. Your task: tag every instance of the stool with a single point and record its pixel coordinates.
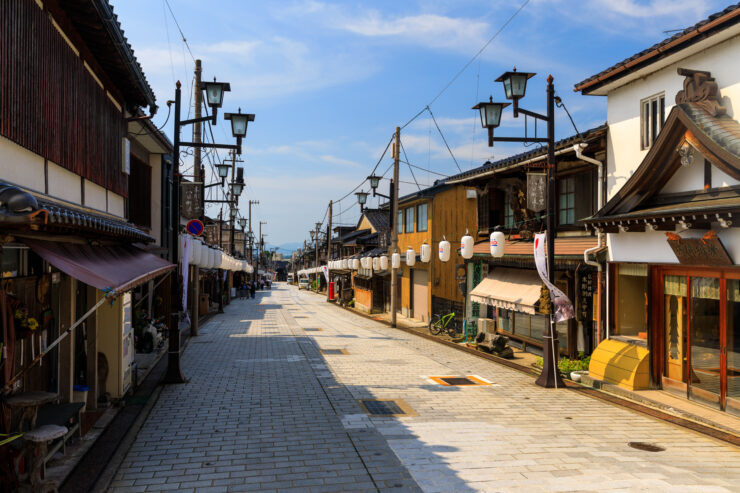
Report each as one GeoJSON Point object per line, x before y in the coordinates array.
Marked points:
{"type": "Point", "coordinates": [40, 437]}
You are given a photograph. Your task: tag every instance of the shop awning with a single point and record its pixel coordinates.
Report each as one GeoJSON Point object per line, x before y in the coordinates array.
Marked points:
{"type": "Point", "coordinates": [116, 267]}
{"type": "Point", "coordinates": [512, 289]}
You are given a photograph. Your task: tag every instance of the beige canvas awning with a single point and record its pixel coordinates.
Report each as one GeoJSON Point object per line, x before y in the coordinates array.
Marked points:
{"type": "Point", "coordinates": [512, 289]}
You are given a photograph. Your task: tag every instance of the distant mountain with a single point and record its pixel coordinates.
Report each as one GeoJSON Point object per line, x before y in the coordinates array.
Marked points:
{"type": "Point", "coordinates": [286, 248]}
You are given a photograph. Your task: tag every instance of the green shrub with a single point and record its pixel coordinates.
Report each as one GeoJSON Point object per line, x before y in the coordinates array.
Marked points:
{"type": "Point", "coordinates": [567, 365]}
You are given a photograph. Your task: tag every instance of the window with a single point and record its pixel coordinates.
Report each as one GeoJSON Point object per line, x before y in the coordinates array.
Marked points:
{"type": "Point", "coordinates": [140, 193]}
{"type": "Point", "coordinates": [632, 292]}
{"type": "Point", "coordinates": [409, 220]}
{"type": "Point", "coordinates": [399, 221]}
{"type": "Point", "coordinates": [567, 198]}
{"type": "Point", "coordinates": [508, 215]}
{"type": "Point", "coordinates": [421, 217]}
{"type": "Point", "coordinates": [652, 116]}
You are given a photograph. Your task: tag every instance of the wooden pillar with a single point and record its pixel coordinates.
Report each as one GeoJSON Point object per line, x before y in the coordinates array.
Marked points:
{"type": "Point", "coordinates": [194, 299]}
{"type": "Point", "coordinates": [66, 346]}
{"type": "Point", "coordinates": [92, 350]}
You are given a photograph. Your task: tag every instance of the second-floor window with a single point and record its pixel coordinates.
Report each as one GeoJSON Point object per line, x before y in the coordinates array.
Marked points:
{"type": "Point", "coordinates": [421, 217]}
{"type": "Point", "coordinates": [399, 221]}
{"type": "Point", "coordinates": [508, 215]}
{"type": "Point", "coordinates": [567, 200]}
{"type": "Point", "coordinates": [409, 220]}
{"type": "Point", "coordinates": [652, 115]}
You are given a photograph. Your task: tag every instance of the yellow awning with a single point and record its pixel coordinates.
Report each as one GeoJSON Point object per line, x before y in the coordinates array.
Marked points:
{"type": "Point", "coordinates": [512, 289]}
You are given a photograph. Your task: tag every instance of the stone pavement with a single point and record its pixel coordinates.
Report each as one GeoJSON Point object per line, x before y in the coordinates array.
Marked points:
{"type": "Point", "coordinates": [266, 410]}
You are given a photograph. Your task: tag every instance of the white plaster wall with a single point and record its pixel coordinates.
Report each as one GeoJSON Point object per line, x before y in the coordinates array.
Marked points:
{"type": "Point", "coordinates": [155, 161]}
{"type": "Point", "coordinates": [722, 179]}
{"type": "Point", "coordinates": [20, 166]}
{"type": "Point", "coordinates": [623, 105]}
{"type": "Point", "coordinates": [94, 196]}
{"type": "Point", "coordinates": [116, 204]}
{"type": "Point", "coordinates": [64, 184]}
{"type": "Point", "coordinates": [652, 247]}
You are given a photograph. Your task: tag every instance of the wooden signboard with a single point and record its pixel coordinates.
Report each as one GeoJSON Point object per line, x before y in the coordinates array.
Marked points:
{"type": "Point", "coordinates": [707, 251]}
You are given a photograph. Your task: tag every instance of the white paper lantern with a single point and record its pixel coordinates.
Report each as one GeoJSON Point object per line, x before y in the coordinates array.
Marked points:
{"type": "Point", "coordinates": [194, 251]}
{"type": "Point", "coordinates": [355, 264]}
{"type": "Point", "coordinates": [219, 260]}
{"type": "Point", "coordinates": [376, 264]}
{"type": "Point", "coordinates": [410, 257]}
{"type": "Point", "coordinates": [444, 250]}
{"type": "Point", "coordinates": [345, 264]}
{"type": "Point", "coordinates": [383, 262]}
{"type": "Point", "coordinates": [396, 261]}
{"type": "Point", "coordinates": [466, 247]}
{"type": "Point", "coordinates": [367, 262]}
{"type": "Point", "coordinates": [426, 252]}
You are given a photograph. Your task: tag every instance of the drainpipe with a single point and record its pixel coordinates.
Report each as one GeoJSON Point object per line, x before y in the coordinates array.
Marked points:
{"type": "Point", "coordinates": [578, 148]}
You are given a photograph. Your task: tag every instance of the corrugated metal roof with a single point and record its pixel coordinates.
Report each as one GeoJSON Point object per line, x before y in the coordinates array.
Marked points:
{"type": "Point", "coordinates": [567, 246]}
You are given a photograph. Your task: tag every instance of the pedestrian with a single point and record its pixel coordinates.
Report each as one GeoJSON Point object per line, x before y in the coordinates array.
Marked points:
{"type": "Point", "coordinates": [252, 288]}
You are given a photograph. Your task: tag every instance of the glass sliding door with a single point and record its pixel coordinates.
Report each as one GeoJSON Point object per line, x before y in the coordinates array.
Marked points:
{"type": "Point", "coordinates": [705, 328]}
{"type": "Point", "coordinates": [674, 316]}
{"type": "Point", "coordinates": [733, 346]}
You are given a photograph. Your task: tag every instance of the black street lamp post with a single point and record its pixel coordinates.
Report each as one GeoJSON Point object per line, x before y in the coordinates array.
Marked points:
{"type": "Point", "coordinates": [214, 98]}
{"type": "Point", "coordinates": [374, 183]}
{"type": "Point", "coordinates": [515, 86]}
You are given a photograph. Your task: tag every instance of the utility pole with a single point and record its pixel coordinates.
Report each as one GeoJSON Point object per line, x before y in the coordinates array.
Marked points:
{"type": "Point", "coordinates": [318, 279]}
{"type": "Point", "coordinates": [197, 178]}
{"type": "Point", "coordinates": [260, 245]}
{"type": "Point", "coordinates": [328, 249]}
{"type": "Point", "coordinates": [394, 228]}
{"type": "Point", "coordinates": [251, 258]}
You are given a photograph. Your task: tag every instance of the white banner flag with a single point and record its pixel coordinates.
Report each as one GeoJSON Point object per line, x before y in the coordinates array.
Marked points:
{"type": "Point", "coordinates": [325, 270]}
{"type": "Point", "coordinates": [563, 306]}
{"type": "Point", "coordinates": [187, 244]}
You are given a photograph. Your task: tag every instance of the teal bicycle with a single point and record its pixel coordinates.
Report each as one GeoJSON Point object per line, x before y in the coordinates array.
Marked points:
{"type": "Point", "coordinates": [443, 323]}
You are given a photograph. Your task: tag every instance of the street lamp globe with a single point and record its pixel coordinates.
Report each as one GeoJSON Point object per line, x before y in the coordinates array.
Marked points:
{"type": "Point", "coordinates": [361, 197]}
{"type": "Point", "coordinates": [374, 181]}
{"type": "Point", "coordinates": [239, 123]}
{"type": "Point", "coordinates": [223, 170]}
{"type": "Point", "coordinates": [490, 112]}
{"type": "Point", "coordinates": [237, 188]}
{"type": "Point", "coordinates": [318, 226]}
{"type": "Point", "coordinates": [233, 213]}
{"type": "Point", "coordinates": [243, 222]}
{"type": "Point", "coordinates": [515, 83]}
{"type": "Point", "coordinates": [215, 92]}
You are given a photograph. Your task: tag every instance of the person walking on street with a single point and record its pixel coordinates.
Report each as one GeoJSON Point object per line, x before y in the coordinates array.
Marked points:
{"type": "Point", "coordinates": [252, 288]}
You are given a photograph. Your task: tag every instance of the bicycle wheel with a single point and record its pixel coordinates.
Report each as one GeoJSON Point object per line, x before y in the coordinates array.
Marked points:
{"type": "Point", "coordinates": [452, 327]}
{"type": "Point", "coordinates": [435, 325]}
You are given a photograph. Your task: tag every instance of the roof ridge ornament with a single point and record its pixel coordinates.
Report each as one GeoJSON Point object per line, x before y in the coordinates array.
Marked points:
{"type": "Point", "coordinates": [701, 88]}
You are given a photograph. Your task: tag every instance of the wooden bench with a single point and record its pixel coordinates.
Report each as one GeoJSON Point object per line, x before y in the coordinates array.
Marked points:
{"type": "Point", "coordinates": [68, 415]}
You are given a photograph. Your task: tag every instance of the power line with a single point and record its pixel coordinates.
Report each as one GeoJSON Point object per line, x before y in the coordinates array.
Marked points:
{"type": "Point", "coordinates": [184, 40]}
{"type": "Point", "coordinates": [443, 137]}
{"type": "Point", "coordinates": [424, 169]}
{"type": "Point", "coordinates": [375, 168]}
{"type": "Point", "coordinates": [410, 168]}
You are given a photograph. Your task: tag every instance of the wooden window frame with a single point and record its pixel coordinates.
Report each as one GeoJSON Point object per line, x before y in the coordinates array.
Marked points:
{"type": "Point", "coordinates": [652, 117]}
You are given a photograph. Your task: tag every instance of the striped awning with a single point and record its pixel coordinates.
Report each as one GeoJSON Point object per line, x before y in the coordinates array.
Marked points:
{"type": "Point", "coordinates": [512, 289]}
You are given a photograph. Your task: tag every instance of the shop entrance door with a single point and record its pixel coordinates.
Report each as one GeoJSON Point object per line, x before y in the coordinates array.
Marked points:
{"type": "Point", "coordinates": [701, 335]}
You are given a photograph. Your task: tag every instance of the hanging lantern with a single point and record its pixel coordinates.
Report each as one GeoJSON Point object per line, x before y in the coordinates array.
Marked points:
{"type": "Point", "coordinates": [345, 264]}
{"type": "Point", "coordinates": [444, 250]}
{"type": "Point", "coordinates": [376, 264]}
{"type": "Point", "coordinates": [396, 261]}
{"type": "Point", "coordinates": [410, 257]}
{"type": "Point", "coordinates": [365, 261]}
{"type": "Point", "coordinates": [355, 264]}
{"type": "Point", "coordinates": [219, 259]}
{"type": "Point", "coordinates": [466, 246]}
{"type": "Point", "coordinates": [426, 252]}
{"type": "Point", "coordinates": [383, 262]}
{"type": "Point", "coordinates": [194, 252]}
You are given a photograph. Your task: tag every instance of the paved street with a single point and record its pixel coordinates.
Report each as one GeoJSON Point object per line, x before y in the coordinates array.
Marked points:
{"type": "Point", "coordinates": [265, 410]}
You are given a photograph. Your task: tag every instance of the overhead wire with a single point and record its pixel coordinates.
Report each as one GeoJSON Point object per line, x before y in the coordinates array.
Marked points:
{"type": "Point", "coordinates": [410, 168]}
{"type": "Point", "coordinates": [443, 138]}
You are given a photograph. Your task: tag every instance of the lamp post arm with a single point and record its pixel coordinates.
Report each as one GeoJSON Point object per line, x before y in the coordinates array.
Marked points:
{"type": "Point", "coordinates": [212, 119]}
{"type": "Point", "coordinates": [209, 145]}
{"type": "Point", "coordinates": [378, 194]}
{"type": "Point", "coordinates": [534, 115]}
{"type": "Point", "coordinates": [520, 139]}
{"type": "Point", "coordinates": [217, 184]}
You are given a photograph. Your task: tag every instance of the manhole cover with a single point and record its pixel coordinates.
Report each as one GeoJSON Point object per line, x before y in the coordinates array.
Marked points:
{"type": "Point", "coordinates": [453, 381]}
{"type": "Point", "coordinates": [457, 381]}
{"type": "Point", "coordinates": [333, 351]}
{"type": "Point", "coordinates": [382, 408]}
{"type": "Point", "coordinates": [312, 330]}
{"type": "Point", "coordinates": [647, 447]}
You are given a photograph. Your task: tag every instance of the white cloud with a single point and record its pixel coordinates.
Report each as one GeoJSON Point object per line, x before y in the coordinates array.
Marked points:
{"type": "Point", "coordinates": [340, 162]}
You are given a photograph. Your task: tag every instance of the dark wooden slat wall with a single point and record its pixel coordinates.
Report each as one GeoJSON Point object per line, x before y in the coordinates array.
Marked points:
{"type": "Point", "coordinates": [51, 105]}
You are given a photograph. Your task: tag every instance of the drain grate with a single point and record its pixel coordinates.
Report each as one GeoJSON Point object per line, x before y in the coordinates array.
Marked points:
{"type": "Point", "coordinates": [382, 408]}
{"type": "Point", "coordinates": [466, 381]}
{"type": "Point", "coordinates": [334, 351]}
{"type": "Point", "coordinates": [647, 447]}
{"type": "Point", "coordinates": [312, 330]}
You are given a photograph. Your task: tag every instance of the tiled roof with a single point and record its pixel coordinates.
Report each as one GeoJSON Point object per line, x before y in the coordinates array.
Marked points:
{"type": "Point", "coordinates": [678, 41]}
{"type": "Point", "coordinates": [591, 134]}
{"type": "Point", "coordinates": [722, 129]}
{"type": "Point", "coordinates": [380, 219]}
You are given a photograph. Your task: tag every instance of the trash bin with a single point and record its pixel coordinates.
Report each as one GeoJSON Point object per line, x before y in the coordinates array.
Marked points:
{"type": "Point", "coordinates": [331, 291]}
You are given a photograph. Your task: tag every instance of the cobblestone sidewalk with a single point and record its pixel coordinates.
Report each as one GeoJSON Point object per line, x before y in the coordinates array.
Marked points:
{"type": "Point", "coordinates": [270, 407]}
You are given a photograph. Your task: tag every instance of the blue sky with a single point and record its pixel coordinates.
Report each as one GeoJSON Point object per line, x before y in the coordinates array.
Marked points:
{"type": "Point", "coordinates": [329, 81]}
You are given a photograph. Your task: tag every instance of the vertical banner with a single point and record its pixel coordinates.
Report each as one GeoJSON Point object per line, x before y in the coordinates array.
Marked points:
{"type": "Point", "coordinates": [325, 270]}
{"type": "Point", "coordinates": [187, 244]}
{"type": "Point", "coordinates": [563, 307]}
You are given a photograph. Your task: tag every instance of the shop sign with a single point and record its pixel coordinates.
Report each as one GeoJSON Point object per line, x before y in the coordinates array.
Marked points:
{"type": "Point", "coordinates": [585, 297]}
{"type": "Point", "coordinates": [190, 204]}
{"type": "Point", "coordinates": [707, 250]}
{"type": "Point", "coordinates": [536, 186]}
